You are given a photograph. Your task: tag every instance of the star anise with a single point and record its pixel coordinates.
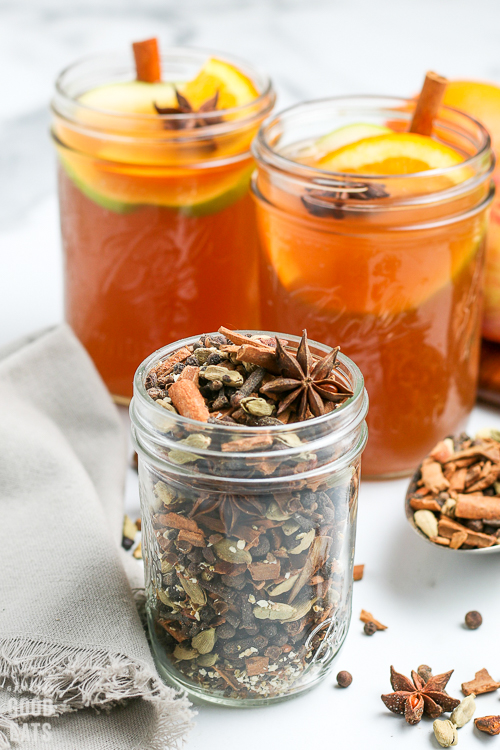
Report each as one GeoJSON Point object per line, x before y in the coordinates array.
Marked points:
{"type": "Point", "coordinates": [414, 698]}
{"type": "Point", "coordinates": [330, 203]}
{"type": "Point", "coordinates": [184, 107]}
{"type": "Point", "coordinates": [229, 507]}
{"type": "Point", "coordinates": [307, 381]}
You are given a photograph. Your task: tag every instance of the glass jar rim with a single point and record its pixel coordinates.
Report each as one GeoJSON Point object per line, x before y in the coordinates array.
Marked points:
{"type": "Point", "coordinates": [326, 419]}
{"type": "Point", "coordinates": [64, 100]}
{"type": "Point", "coordinates": [264, 152]}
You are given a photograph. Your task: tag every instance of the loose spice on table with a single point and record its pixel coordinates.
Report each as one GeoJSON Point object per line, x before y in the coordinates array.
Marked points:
{"type": "Point", "coordinates": [482, 683]}
{"type": "Point", "coordinates": [415, 697]}
{"type": "Point", "coordinates": [249, 585]}
{"type": "Point", "coordinates": [455, 494]}
{"type": "Point", "coordinates": [488, 724]}
{"type": "Point", "coordinates": [344, 679]}
{"type": "Point", "coordinates": [473, 620]}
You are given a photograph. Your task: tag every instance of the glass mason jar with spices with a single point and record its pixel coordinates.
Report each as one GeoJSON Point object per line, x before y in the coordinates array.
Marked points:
{"type": "Point", "coordinates": [155, 203]}
{"type": "Point", "coordinates": [381, 252]}
{"type": "Point", "coordinates": [248, 529]}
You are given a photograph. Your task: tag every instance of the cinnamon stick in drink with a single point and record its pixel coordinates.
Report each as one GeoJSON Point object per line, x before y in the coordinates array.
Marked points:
{"type": "Point", "coordinates": [147, 60]}
{"type": "Point", "coordinates": [428, 104]}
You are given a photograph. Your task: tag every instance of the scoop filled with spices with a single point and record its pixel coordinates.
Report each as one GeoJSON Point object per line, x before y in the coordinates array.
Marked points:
{"type": "Point", "coordinates": [454, 497]}
{"type": "Point", "coordinates": [249, 451]}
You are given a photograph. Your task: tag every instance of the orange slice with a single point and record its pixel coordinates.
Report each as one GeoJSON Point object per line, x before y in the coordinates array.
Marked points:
{"type": "Point", "coordinates": [235, 89]}
{"type": "Point", "coordinates": [478, 99]}
{"type": "Point", "coordinates": [394, 154]}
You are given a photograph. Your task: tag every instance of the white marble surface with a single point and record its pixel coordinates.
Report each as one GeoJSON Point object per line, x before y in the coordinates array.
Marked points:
{"type": "Point", "coordinates": [311, 48]}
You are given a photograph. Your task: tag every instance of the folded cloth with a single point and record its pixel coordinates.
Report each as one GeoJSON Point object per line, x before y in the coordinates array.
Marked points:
{"type": "Point", "coordinates": [71, 640]}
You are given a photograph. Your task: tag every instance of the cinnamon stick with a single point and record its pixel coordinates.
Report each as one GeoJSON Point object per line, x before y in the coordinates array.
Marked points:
{"type": "Point", "coordinates": [190, 372]}
{"type": "Point", "coordinates": [428, 104]}
{"type": "Point", "coordinates": [238, 338]}
{"type": "Point", "coordinates": [147, 60]}
{"type": "Point", "coordinates": [478, 507]}
{"type": "Point", "coordinates": [258, 355]}
{"type": "Point", "coordinates": [188, 400]}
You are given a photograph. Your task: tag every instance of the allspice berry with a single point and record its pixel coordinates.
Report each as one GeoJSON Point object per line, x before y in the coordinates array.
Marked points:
{"type": "Point", "coordinates": [344, 679]}
{"type": "Point", "coordinates": [370, 628]}
{"type": "Point", "coordinates": [473, 620]}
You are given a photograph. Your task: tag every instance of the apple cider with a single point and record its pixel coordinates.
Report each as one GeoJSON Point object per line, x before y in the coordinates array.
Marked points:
{"type": "Point", "coordinates": [374, 239]}
{"type": "Point", "coordinates": [158, 227]}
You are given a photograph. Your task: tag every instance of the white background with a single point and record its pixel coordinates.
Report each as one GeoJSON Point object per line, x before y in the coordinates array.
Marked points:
{"type": "Point", "coordinates": [311, 48]}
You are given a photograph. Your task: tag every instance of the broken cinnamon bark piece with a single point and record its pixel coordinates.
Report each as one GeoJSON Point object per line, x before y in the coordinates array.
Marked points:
{"type": "Point", "coordinates": [433, 477]}
{"type": "Point", "coordinates": [425, 503]}
{"type": "Point", "coordinates": [358, 572]}
{"type": "Point", "coordinates": [488, 724]}
{"type": "Point", "coordinates": [482, 683]}
{"type": "Point", "coordinates": [447, 527]}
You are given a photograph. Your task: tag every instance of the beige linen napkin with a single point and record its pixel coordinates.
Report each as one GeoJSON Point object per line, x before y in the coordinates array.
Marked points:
{"type": "Point", "coordinates": [71, 640]}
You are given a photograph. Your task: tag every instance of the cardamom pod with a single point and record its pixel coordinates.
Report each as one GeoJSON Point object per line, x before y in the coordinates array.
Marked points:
{"type": "Point", "coordinates": [233, 378]}
{"type": "Point", "coordinates": [165, 599]}
{"type": "Point", "coordinates": [164, 495]}
{"type": "Point", "coordinates": [290, 527]}
{"type": "Point", "coordinates": [290, 439]}
{"type": "Point", "coordinates": [202, 354]}
{"type": "Point", "coordinates": [228, 551]}
{"type": "Point", "coordinates": [301, 610]}
{"type": "Point", "coordinates": [184, 653]}
{"type": "Point", "coordinates": [274, 513]}
{"type": "Point", "coordinates": [426, 522]}
{"type": "Point", "coordinates": [304, 543]}
{"type": "Point", "coordinates": [166, 567]}
{"type": "Point", "coordinates": [167, 404]}
{"type": "Point", "coordinates": [464, 712]}
{"type": "Point", "coordinates": [448, 508]}
{"type": "Point", "coordinates": [194, 591]}
{"type": "Point", "coordinates": [201, 442]}
{"type": "Point", "coordinates": [445, 732]}
{"type": "Point", "coordinates": [257, 406]}
{"type": "Point", "coordinates": [204, 641]}
{"type": "Point", "coordinates": [208, 660]}
{"type": "Point", "coordinates": [273, 611]}
{"type": "Point", "coordinates": [286, 585]}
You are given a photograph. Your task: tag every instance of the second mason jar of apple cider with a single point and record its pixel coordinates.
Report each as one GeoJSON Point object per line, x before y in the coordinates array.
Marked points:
{"type": "Point", "coordinates": [373, 237]}
{"type": "Point", "coordinates": [158, 226]}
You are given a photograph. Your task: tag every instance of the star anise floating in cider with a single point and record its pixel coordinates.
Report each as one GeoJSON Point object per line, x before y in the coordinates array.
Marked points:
{"type": "Point", "coordinates": [413, 699]}
{"type": "Point", "coordinates": [184, 107]}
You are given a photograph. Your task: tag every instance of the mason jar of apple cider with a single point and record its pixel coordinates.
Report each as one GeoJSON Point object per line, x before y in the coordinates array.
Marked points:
{"type": "Point", "coordinates": [158, 226]}
{"type": "Point", "coordinates": [373, 238]}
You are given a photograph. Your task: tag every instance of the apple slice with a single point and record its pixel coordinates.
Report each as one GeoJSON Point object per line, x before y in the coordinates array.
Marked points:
{"type": "Point", "coordinates": [348, 134]}
{"type": "Point", "coordinates": [131, 97]}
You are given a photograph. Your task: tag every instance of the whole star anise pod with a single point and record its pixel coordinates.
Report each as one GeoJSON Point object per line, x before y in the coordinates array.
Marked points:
{"type": "Point", "coordinates": [325, 203]}
{"type": "Point", "coordinates": [306, 380]}
{"type": "Point", "coordinates": [184, 107]}
{"type": "Point", "coordinates": [229, 507]}
{"type": "Point", "coordinates": [414, 698]}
